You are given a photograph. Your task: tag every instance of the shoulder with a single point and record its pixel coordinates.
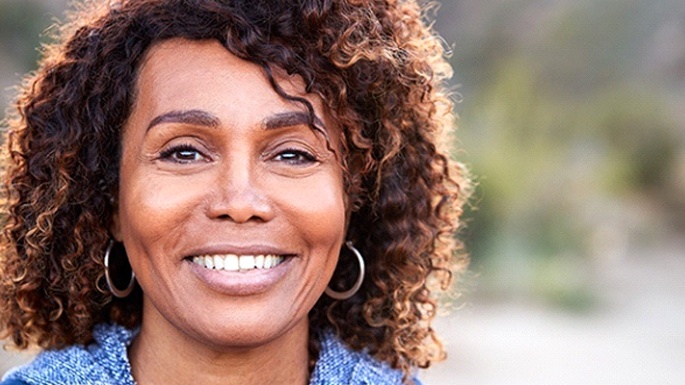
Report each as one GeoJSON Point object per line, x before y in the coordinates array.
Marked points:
{"type": "Point", "coordinates": [13, 382]}
{"type": "Point", "coordinates": [53, 366]}
{"type": "Point", "coordinates": [103, 362]}
{"type": "Point", "coordinates": [338, 364]}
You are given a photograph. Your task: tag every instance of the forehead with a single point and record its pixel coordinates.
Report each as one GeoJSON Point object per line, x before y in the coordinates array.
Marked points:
{"type": "Point", "coordinates": [180, 74]}
{"type": "Point", "coordinates": [175, 67]}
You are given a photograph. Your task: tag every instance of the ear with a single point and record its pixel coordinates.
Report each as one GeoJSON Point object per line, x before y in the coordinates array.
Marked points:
{"type": "Point", "coordinates": [115, 225]}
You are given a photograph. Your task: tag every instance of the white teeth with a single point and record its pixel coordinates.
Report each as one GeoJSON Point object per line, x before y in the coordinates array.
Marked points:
{"type": "Point", "coordinates": [209, 262]}
{"type": "Point", "coordinates": [246, 262]}
{"type": "Point", "coordinates": [232, 262]}
{"type": "Point", "coordinates": [218, 262]}
{"type": "Point", "coordinates": [276, 260]}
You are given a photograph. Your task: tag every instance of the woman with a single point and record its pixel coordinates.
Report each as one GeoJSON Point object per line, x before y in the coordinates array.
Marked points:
{"type": "Point", "coordinates": [231, 192]}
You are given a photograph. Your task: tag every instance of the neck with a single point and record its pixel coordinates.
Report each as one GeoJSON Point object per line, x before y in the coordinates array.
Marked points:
{"type": "Point", "coordinates": [163, 355]}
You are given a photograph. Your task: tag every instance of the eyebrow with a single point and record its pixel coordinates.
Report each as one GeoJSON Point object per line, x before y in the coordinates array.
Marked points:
{"type": "Point", "coordinates": [204, 118]}
{"type": "Point", "coordinates": [195, 117]}
{"type": "Point", "coordinates": [292, 118]}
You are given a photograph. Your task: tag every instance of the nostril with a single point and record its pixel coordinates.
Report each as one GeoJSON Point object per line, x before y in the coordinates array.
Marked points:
{"type": "Point", "coordinates": [241, 205]}
{"type": "Point", "coordinates": [229, 217]}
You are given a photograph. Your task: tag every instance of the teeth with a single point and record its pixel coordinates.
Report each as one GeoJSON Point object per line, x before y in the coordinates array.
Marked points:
{"type": "Point", "coordinates": [218, 262]}
{"type": "Point", "coordinates": [246, 262]}
{"type": "Point", "coordinates": [209, 262]}
{"type": "Point", "coordinates": [232, 262]}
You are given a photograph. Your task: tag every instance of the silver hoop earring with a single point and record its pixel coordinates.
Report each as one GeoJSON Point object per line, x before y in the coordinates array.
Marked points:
{"type": "Point", "coordinates": [343, 295]}
{"type": "Point", "coordinates": [108, 277]}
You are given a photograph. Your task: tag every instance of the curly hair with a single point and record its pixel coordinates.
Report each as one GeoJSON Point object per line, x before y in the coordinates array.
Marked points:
{"type": "Point", "coordinates": [380, 71]}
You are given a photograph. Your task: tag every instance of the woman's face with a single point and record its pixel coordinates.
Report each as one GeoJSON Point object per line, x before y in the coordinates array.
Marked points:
{"type": "Point", "coordinates": [231, 208]}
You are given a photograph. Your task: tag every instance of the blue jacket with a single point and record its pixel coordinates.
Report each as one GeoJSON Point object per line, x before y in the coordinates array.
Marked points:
{"type": "Point", "coordinates": [106, 362]}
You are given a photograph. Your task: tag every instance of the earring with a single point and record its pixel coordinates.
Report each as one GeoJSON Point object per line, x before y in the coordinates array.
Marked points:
{"type": "Point", "coordinates": [108, 276]}
{"type": "Point", "coordinates": [343, 295]}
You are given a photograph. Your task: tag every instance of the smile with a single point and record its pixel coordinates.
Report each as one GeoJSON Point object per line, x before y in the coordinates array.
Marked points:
{"type": "Point", "coordinates": [232, 262]}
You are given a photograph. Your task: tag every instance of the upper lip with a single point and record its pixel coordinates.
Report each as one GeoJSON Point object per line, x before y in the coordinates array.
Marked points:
{"type": "Point", "coordinates": [251, 249]}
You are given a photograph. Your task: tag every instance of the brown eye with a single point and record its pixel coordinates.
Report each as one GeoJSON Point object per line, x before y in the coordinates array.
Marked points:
{"type": "Point", "coordinates": [183, 153]}
{"type": "Point", "coordinates": [295, 157]}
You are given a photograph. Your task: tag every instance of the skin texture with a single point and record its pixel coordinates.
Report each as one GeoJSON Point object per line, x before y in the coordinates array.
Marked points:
{"type": "Point", "coordinates": [215, 162]}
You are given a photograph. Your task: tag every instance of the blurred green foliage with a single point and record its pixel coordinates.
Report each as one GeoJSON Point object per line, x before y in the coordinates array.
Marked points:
{"type": "Point", "coordinates": [24, 25]}
{"type": "Point", "coordinates": [21, 25]}
{"type": "Point", "coordinates": [571, 123]}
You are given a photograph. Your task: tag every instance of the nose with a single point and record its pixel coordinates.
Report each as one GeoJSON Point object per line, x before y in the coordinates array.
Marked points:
{"type": "Point", "coordinates": [238, 195]}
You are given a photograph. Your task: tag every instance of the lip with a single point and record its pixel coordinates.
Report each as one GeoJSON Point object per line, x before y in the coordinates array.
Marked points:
{"type": "Point", "coordinates": [240, 283]}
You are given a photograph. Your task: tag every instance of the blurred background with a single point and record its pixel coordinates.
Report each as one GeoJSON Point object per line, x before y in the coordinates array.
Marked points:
{"type": "Point", "coordinates": [572, 120]}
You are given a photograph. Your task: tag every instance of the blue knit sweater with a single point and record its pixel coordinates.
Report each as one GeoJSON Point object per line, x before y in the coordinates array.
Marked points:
{"type": "Point", "coordinates": [106, 362]}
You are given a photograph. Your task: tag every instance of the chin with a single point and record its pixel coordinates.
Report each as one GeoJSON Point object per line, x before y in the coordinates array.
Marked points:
{"type": "Point", "coordinates": [236, 332]}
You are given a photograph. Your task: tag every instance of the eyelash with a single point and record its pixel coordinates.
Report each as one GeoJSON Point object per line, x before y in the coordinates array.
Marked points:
{"type": "Point", "coordinates": [301, 156]}
{"type": "Point", "coordinates": [168, 154]}
{"type": "Point", "coordinates": [306, 157]}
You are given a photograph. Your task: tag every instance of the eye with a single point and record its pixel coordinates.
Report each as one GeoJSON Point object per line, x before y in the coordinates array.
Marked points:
{"type": "Point", "coordinates": [182, 153]}
{"type": "Point", "coordinates": [295, 157]}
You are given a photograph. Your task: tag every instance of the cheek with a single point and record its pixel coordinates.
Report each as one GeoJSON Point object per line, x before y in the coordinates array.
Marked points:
{"type": "Point", "coordinates": [316, 216]}
{"type": "Point", "coordinates": [153, 213]}
{"type": "Point", "coordinates": [318, 208]}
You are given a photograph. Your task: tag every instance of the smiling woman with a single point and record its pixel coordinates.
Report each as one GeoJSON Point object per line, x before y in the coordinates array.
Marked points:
{"type": "Point", "coordinates": [226, 184]}
{"type": "Point", "coordinates": [231, 192]}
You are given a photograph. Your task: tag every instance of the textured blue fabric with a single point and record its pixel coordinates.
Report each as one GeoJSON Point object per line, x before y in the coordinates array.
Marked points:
{"type": "Point", "coordinates": [13, 382]}
{"type": "Point", "coordinates": [105, 362]}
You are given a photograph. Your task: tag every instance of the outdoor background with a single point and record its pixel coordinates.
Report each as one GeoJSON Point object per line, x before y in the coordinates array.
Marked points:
{"type": "Point", "coordinates": [572, 119]}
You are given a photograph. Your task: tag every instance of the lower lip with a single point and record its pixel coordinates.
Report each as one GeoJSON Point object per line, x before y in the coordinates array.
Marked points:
{"type": "Point", "coordinates": [241, 283]}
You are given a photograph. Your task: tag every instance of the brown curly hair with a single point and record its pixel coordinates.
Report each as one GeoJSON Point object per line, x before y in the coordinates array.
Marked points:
{"type": "Point", "coordinates": [377, 66]}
